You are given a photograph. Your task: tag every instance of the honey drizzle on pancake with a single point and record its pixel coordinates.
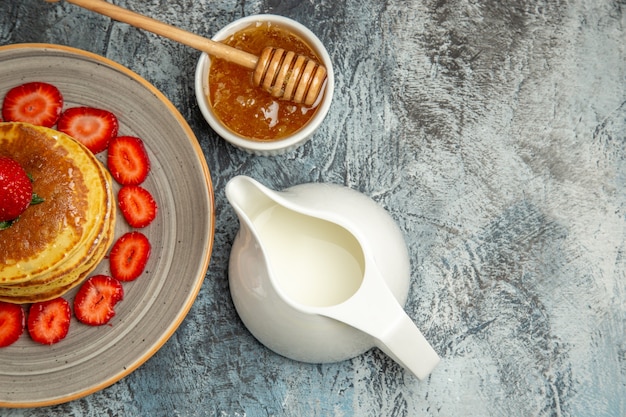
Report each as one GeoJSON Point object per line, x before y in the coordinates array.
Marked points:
{"type": "Point", "coordinates": [58, 180]}
{"type": "Point", "coordinates": [79, 225]}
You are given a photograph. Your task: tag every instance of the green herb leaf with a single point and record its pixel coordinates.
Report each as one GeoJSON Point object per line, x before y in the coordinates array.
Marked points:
{"type": "Point", "coordinates": [6, 224]}
{"type": "Point", "coordinates": [36, 199]}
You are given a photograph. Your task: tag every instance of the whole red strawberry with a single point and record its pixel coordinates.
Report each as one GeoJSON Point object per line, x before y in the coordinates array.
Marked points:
{"type": "Point", "coordinates": [16, 189]}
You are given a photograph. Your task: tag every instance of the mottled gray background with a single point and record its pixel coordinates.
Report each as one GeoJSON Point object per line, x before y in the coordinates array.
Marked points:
{"type": "Point", "coordinates": [494, 132]}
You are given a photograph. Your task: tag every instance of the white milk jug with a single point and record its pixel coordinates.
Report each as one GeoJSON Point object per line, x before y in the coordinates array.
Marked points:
{"type": "Point", "coordinates": [319, 273]}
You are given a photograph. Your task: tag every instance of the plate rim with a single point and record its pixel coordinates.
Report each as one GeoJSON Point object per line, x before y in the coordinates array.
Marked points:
{"type": "Point", "coordinates": [203, 266]}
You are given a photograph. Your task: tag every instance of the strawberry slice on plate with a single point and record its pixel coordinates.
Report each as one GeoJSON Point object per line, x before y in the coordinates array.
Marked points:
{"type": "Point", "coordinates": [12, 322]}
{"type": "Point", "coordinates": [137, 205]}
{"type": "Point", "coordinates": [129, 256]}
{"type": "Point", "coordinates": [95, 301]}
{"type": "Point", "coordinates": [49, 321]}
{"type": "Point", "coordinates": [92, 127]}
{"type": "Point", "coordinates": [128, 160]}
{"type": "Point", "coordinates": [37, 103]}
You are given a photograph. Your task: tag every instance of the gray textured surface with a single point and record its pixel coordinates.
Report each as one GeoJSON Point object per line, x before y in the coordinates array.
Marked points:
{"type": "Point", "coordinates": [495, 135]}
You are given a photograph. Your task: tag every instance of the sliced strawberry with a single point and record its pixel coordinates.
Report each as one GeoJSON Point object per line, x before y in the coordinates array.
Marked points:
{"type": "Point", "coordinates": [35, 102]}
{"type": "Point", "coordinates": [12, 322]}
{"type": "Point", "coordinates": [95, 301]}
{"type": "Point", "coordinates": [16, 189]}
{"type": "Point", "coordinates": [137, 205]}
{"type": "Point", "coordinates": [129, 256]}
{"type": "Point", "coordinates": [127, 160]}
{"type": "Point", "coordinates": [92, 127]}
{"type": "Point", "coordinates": [49, 321]}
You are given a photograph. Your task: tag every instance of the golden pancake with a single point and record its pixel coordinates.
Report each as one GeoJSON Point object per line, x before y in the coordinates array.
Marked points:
{"type": "Point", "coordinates": [68, 178]}
{"type": "Point", "coordinates": [85, 247]}
{"type": "Point", "coordinates": [72, 271]}
{"type": "Point", "coordinates": [29, 292]}
{"type": "Point", "coordinates": [55, 243]}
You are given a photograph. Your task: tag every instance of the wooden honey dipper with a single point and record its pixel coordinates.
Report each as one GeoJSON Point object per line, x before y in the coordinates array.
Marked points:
{"type": "Point", "coordinates": [281, 73]}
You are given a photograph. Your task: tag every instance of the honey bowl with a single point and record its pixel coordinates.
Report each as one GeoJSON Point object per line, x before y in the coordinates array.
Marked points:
{"type": "Point", "coordinates": [245, 115]}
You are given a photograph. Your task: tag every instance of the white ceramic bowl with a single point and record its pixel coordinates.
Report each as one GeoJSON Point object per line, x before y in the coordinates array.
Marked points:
{"type": "Point", "coordinates": [272, 147]}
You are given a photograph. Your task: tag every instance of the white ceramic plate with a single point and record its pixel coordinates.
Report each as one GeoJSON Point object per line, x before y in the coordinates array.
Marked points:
{"type": "Point", "coordinates": [92, 358]}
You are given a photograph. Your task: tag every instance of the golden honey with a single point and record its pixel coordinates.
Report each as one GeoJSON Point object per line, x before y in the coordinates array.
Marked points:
{"type": "Point", "coordinates": [247, 109]}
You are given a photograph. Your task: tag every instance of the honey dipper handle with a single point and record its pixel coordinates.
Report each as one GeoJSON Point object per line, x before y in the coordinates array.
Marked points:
{"type": "Point", "coordinates": [200, 43]}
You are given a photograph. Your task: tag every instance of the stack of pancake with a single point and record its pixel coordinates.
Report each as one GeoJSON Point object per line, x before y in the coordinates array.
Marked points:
{"type": "Point", "coordinates": [54, 245]}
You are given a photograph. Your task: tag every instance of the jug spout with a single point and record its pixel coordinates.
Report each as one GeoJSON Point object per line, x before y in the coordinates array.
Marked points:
{"type": "Point", "coordinates": [374, 311]}
{"type": "Point", "coordinates": [247, 197]}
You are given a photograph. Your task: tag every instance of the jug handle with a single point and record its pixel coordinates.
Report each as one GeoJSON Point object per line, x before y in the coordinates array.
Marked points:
{"type": "Point", "coordinates": [374, 310]}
